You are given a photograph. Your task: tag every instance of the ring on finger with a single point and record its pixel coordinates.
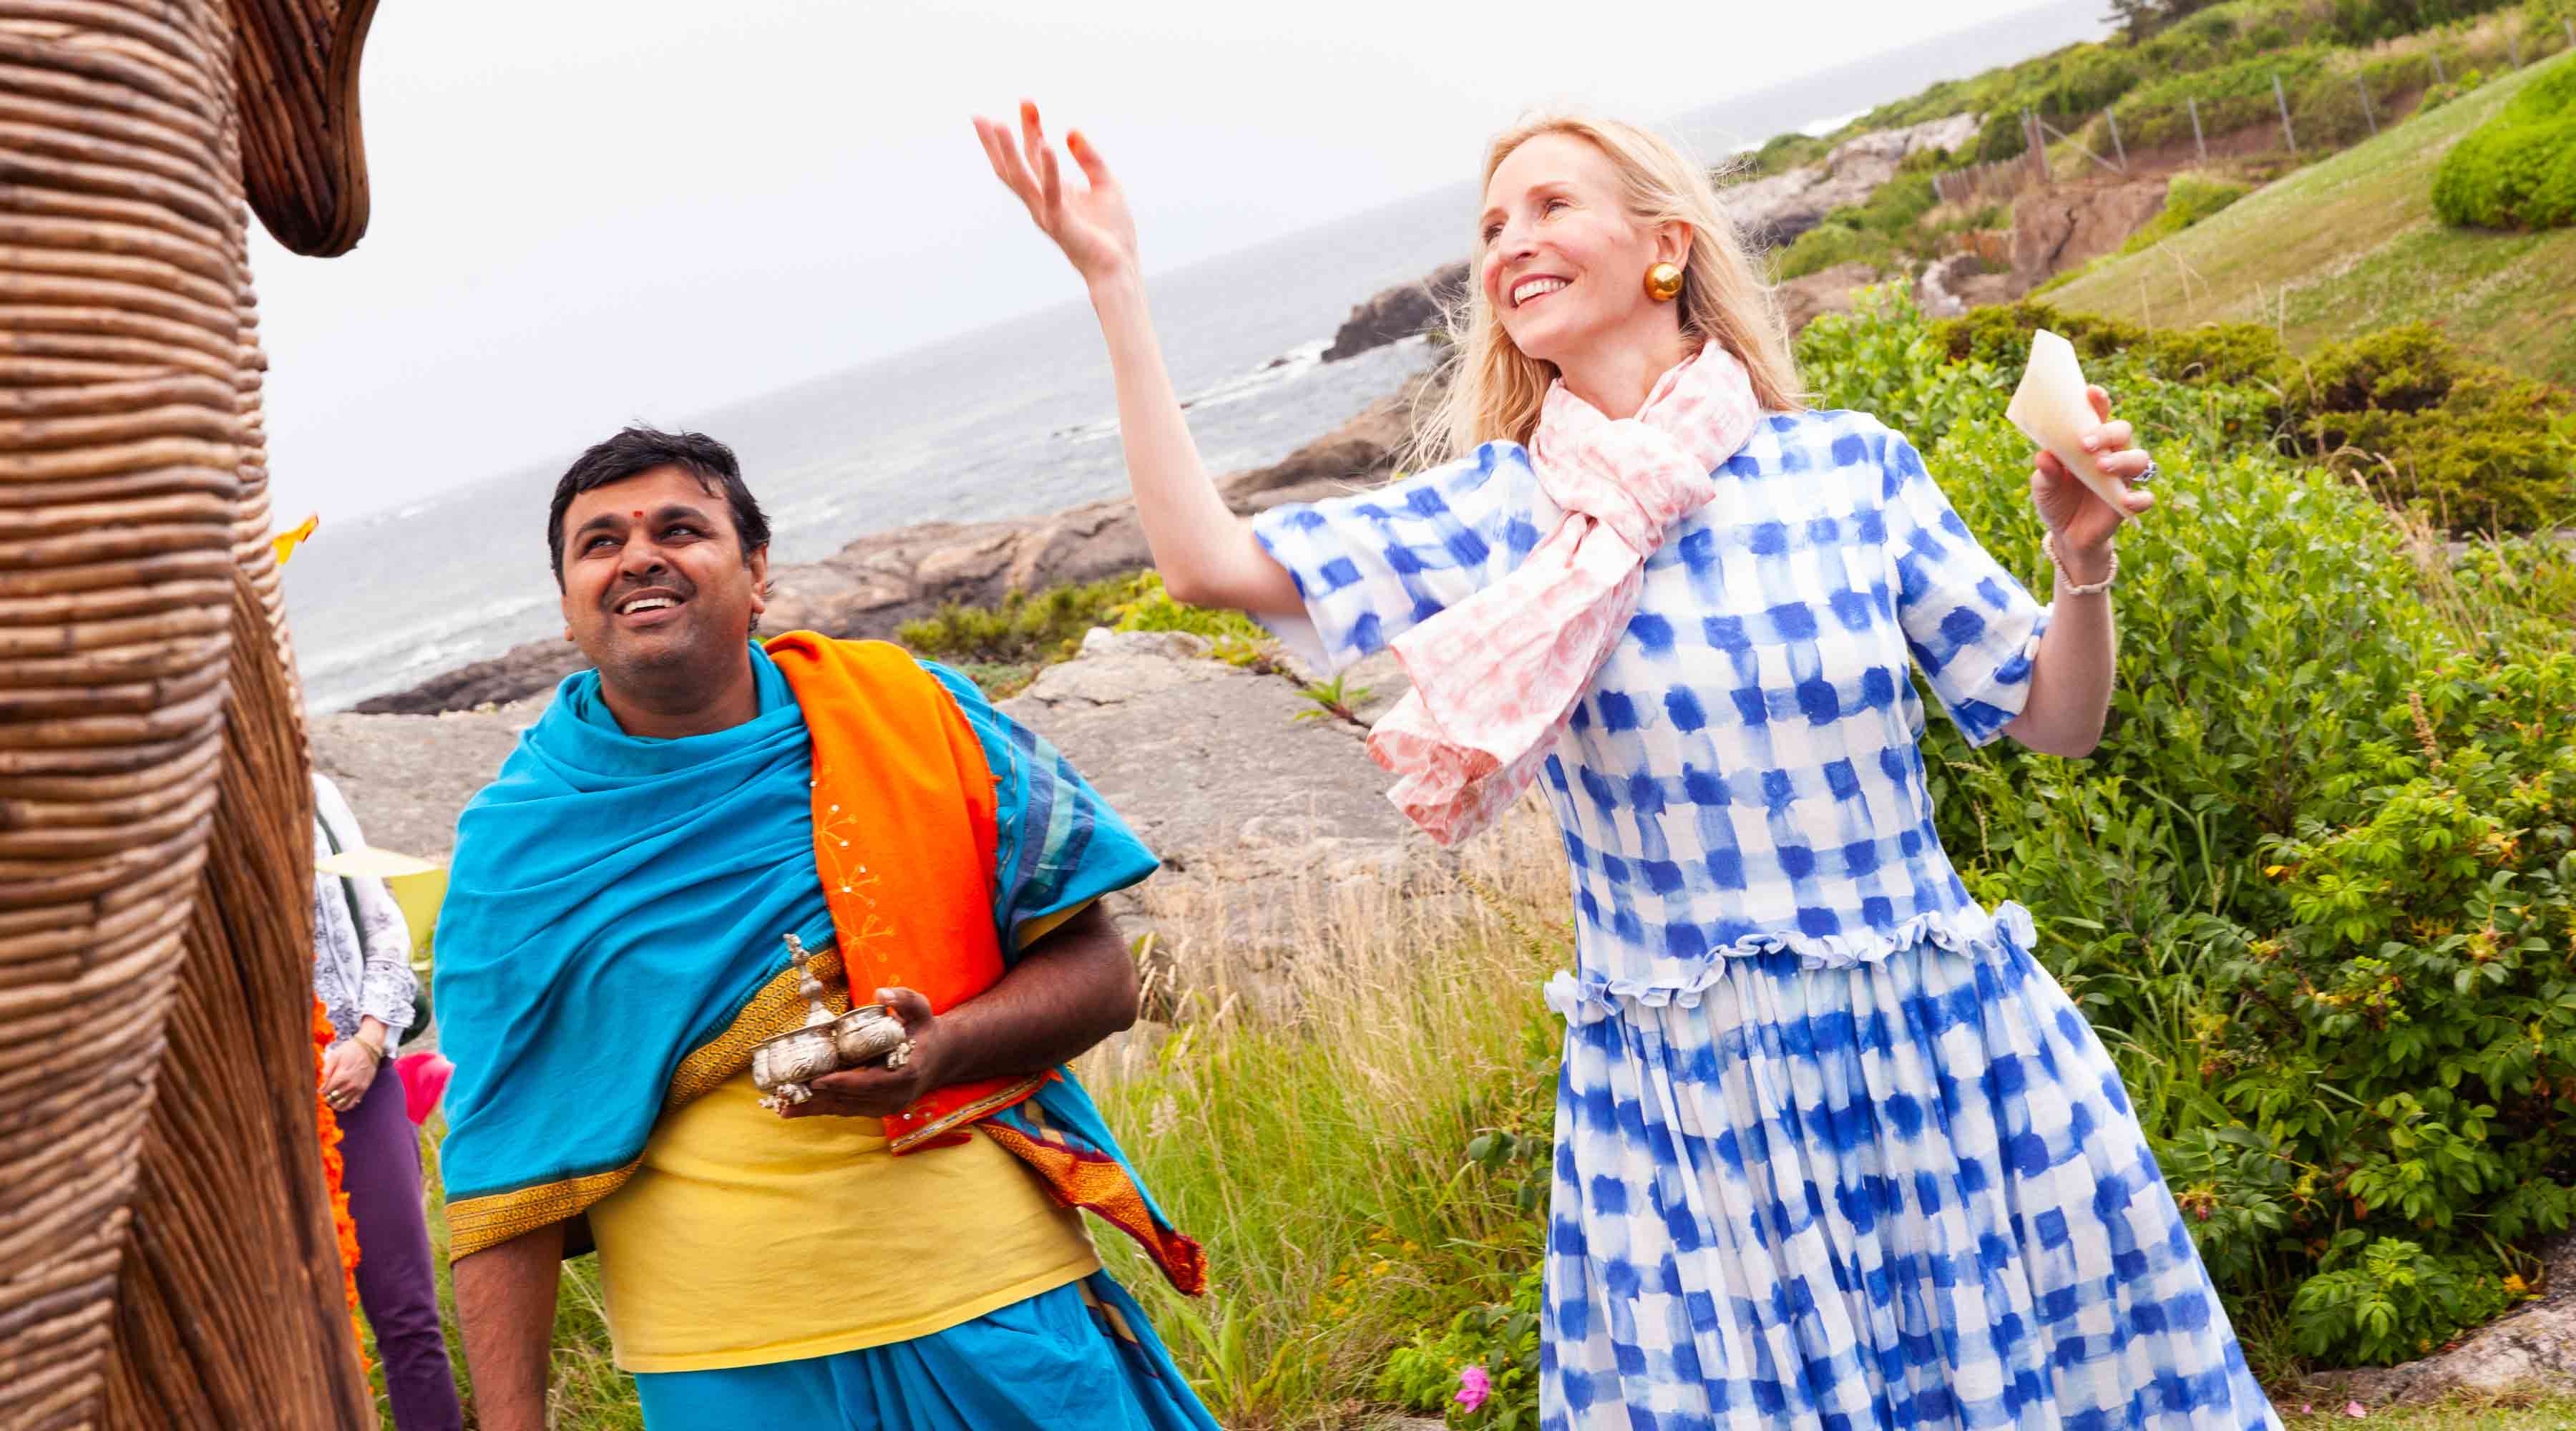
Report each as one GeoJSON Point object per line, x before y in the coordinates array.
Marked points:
{"type": "Point", "coordinates": [2145, 476]}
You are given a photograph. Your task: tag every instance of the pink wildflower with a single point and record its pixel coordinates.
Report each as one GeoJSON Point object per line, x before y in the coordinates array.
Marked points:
{"type": "Point", "coordinates": [1473, 1387]}
{"type": "Point", "coordinates": [2355, 1408]}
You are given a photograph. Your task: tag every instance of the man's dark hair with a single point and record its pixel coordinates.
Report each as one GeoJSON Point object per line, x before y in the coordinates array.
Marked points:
{"type": "Point", "coordinates": [639, 450]}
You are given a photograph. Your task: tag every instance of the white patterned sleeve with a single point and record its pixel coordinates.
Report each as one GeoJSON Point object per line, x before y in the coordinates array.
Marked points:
{"type": "Point", "coordinates": [1375, 564]}
{"type": "Point", "coordinates": [1972, 626]}
{"type": "Point", "coordinates": [387, 988]}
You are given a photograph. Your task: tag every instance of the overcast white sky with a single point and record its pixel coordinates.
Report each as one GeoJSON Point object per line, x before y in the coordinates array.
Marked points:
{"type": "Point", "coordinates": [585, 212]}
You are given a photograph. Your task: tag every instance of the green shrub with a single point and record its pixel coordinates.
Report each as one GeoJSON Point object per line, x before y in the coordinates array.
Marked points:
{"type": "Point", "coordinates": [2327, 110]}
{"type": "Point", "coordinates": [2003, 136]}
{"type": "Point", "coordinates": [2395, 1303]}
{"type": "Point", "coordinates": [1831, 242]}
{"type": "Point", "coordinates": [1885, 232]}
{"type": "Point", "coordinates": [2317, 890]}
{"type": "Point", "coordinates": [2443, 93]}
{"type": "Point", "coordinates": [2517, 170]}
{"type": "Point", "coordinates": [2219, 353]}
{"type": "Point", "coordinates": [2407, 413]}
{"type": "Point", "coordinates": [1785, 152]}
{"type": "Point", "coordinates": [1143, 605]}
{"type": "Point", "coordinates": [1022, 629]}
{"type": "Point", "coordinates": [1499, 1339]}
{"type": "Point", "coordinates": [2188, 199]}
{"type": "Point", "coordinates": [1002, 648]}
{"type": "Point", "coordinates": [2403, 412]}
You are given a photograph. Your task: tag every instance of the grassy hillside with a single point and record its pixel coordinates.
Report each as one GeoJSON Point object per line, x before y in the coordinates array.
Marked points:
{"type": "Point", "coordinates": [2350, 245]}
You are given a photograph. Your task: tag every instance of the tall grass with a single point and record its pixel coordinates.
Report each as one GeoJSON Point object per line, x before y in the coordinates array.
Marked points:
{"type": "Point", "coordinates": [1308, 1120]}
{"type": "Point", "coordinates": [587, 1391]}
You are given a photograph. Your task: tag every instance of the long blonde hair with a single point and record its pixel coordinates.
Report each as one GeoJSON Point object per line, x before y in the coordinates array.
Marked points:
{"type": "Point", "coordinates": [1494, 389]}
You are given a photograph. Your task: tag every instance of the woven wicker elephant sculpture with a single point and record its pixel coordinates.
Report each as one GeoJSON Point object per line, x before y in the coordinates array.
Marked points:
{"type": "Point", "coordinates": [167, 1253]}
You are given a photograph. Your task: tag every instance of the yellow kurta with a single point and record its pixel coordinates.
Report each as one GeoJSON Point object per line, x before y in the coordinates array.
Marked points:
{"type": "Point", "coordinates": [708, 1254]}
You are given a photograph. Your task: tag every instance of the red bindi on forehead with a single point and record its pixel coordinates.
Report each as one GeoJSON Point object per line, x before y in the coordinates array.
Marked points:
{"type": "Point", "coordinates": [638, 514]}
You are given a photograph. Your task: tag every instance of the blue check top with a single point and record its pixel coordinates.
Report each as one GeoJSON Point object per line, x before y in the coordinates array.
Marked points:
{"type": "Point", "coordinates": [1743, 774]}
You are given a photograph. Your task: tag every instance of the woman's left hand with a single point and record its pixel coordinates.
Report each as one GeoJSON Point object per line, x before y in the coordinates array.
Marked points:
{"type": "Point", "coordinates": [2083, 522]}
{"type": "Point", "coordinates": [347, 1069]}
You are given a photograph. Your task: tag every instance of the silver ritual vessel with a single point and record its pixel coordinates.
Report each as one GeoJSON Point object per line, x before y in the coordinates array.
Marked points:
{"type": "Point", "coordinates": [785, 1066]}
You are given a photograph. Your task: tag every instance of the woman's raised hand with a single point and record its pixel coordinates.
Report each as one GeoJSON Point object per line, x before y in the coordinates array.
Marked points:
{"type": "Point", "coordinates": [1090, 223]}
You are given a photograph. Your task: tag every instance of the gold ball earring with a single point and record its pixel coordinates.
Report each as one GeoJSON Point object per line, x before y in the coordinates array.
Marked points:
{"type": "Point", "coordinates": [1663, 283]}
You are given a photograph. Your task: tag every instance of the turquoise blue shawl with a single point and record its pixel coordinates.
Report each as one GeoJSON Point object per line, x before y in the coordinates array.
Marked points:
{"type": "Point", "coordinates": [614, 902]}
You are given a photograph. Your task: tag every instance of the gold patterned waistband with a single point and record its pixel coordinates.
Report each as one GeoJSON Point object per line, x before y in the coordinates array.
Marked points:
{"type": "Point", "coordinates": [476, 1223]}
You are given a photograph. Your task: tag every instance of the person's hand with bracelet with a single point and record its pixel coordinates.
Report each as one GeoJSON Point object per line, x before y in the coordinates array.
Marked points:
{"type": "Point", "coordinates": [2081, 525]}
{"type": "Point", "coordinates": [350, 1065]}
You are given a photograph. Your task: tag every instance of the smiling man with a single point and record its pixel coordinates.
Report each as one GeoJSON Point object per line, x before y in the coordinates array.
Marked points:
{"type": "Point", "coordinates": [902, 1250]}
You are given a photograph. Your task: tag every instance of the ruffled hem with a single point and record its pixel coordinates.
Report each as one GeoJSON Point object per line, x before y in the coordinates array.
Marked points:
{"type": "Point", "coordinates": [1588, 997]}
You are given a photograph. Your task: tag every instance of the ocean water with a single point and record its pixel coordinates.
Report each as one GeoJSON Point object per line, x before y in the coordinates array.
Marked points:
{"type": "Point", "coordinates": [1016, 419]}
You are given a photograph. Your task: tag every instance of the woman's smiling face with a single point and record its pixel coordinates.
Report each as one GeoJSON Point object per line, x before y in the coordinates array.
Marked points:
{"type": "Point", "coordinates": [1561, 261]}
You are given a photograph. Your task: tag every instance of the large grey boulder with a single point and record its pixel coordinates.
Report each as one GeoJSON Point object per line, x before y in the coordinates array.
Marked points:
{"type": "Point", "coordinates": [2061, 228]}
{"type": "Point", "coordinates": [1212, 764]}
{"type": "Point", "coordinates": [1400, 312]}
{"type": "Point", "coordinates": [1261, 805]}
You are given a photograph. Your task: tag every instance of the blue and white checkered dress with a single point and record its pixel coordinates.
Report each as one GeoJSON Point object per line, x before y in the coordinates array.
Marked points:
{"type": "Point", "coordinates": [1832, 1150]}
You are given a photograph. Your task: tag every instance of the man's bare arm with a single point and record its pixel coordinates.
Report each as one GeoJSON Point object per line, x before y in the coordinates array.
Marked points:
{"type": "Point", "coordinates": [1070, 989]}
{"type": "Point", "coordinates": [505, 1300]}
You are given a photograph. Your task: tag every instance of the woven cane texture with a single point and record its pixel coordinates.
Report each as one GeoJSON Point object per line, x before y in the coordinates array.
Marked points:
{"type": "Point", "coordinates": [121, 466]}
{"type": "Point", "coordinates": [231, 1311]}
{"type": "Point", "coordinates": [303, 158]}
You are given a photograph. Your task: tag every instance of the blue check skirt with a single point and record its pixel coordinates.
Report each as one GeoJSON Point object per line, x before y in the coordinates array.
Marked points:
{"type": "Point", "coordinates": [1898, 1193]}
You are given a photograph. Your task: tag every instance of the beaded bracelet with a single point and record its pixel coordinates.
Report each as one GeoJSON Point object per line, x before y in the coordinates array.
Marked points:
{"type": "Point", "coordinates": [2070, 586]}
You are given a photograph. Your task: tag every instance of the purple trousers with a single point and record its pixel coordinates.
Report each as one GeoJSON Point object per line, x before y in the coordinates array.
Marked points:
{"type": "Point", "coordinates": [397, 1284]}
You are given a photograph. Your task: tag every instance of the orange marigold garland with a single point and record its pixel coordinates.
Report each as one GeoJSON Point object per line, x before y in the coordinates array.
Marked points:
{"type": "Point", "coordinates": [332, 1173]}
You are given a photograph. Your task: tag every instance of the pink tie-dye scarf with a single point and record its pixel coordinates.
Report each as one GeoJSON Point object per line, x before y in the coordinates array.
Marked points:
{"type": "Point", "coordinates": [1496, 676]}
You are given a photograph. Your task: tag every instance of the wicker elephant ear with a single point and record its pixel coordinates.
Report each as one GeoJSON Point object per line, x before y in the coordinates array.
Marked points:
{"type": "Point", "coordinates": [304, 162]}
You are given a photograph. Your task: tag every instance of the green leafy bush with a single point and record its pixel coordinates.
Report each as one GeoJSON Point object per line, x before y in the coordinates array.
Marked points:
{"type": "Point", "coordinates": [1022, 629]}
{"type": "Point", "coordinates": [2232, 96]}
{"type": "Point", "coordinates": [2218, 353]}
{"type": "Point", "coordinates": [1143, 605]}
{"type": "Point", "coordinates": [2394, 1302]}
{"type": "Point", "coordinates": [1832, 242]}
{"type": "Point", "coordinates": [2327, 110]}
{"type": "Point", "coordinates": [1499, 1341]}
{"type": "Point", "coordinates": [1002, 648]}
{"type": "Point", "coordinates": [2404, 412]}
{"type": "Point", "coordinates": [2517, 170]}
{"type": "Point", "coordinates": [2317, 890]}
{"type": "Point", "coordinates": [1882, 232]}
{"type": "Point", "coordinates": [2444, 92]}
{"type": "Point", "coordinates": [2189, 198]}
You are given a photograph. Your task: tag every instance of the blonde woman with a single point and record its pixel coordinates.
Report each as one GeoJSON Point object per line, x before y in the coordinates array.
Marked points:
{"type": "Point", "coordinates": [1832, 1150]}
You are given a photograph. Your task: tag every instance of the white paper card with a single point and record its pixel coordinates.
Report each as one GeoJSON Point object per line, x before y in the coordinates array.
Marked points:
{"type": "Point", "coordinates": [2050, 409]}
